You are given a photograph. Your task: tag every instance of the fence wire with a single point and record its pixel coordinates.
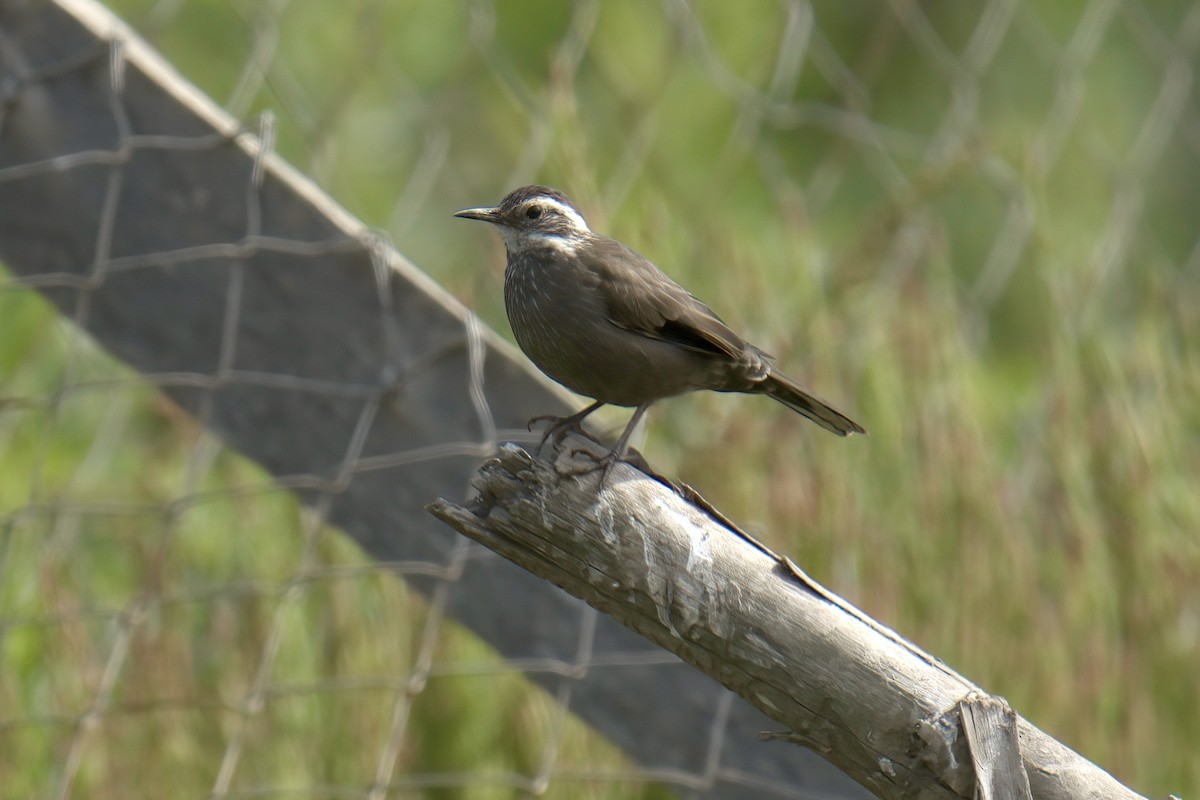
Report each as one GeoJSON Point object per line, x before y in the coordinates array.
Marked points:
{"type": "Point", "coordinates": [224, 401]}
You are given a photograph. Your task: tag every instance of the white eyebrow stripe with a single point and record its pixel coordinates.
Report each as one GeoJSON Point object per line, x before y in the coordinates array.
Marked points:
{"type": "Point", "coordinates": [568, 212]}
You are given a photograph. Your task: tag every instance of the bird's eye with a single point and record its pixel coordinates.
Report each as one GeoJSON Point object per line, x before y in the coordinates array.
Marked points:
{"type": "Point", "coordinates": [533, 212]}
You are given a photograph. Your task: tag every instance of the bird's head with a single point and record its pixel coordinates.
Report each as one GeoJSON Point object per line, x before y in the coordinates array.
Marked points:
{"type": "Point", "coordinates": [534, 216]}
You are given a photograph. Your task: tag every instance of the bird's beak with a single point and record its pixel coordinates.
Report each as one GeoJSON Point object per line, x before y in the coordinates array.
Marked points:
{"type": "Point", "coordinates": [484, 214]}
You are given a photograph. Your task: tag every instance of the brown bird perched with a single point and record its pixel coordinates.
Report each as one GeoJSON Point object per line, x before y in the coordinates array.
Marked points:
{"type": "Point", "coordinates": [600, 319]}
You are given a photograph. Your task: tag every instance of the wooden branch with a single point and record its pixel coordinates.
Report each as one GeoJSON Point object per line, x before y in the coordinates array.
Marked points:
{"type": "Point", "coordinates": [664, 564]}
{"type": "Point", "coordinates": [991, 730]}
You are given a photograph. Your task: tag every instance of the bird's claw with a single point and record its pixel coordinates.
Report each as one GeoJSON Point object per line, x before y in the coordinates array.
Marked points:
{"type": "Point", "coordinates": [597, 462]}
{"type": "Point", "coordinates": [558, 428]}
{"type": "Point", "coordinates": [542, 418]}
{"type": "Point", "coordinates": [591, 456]}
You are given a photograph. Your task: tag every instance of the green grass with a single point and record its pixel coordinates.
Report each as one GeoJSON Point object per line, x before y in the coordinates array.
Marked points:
{"type": "Point", "coordinates": [1025, 506]}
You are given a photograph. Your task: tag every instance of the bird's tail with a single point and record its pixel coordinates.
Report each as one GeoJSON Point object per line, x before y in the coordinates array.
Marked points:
{"type": "Point", "coordinates": [786, 391]}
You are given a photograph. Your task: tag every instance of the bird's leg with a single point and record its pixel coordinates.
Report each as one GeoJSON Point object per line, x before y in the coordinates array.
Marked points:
{"type": "Point", "coordinates": [623, 442]}
{"type": "Point", "coordinates": [618, 452]}
{"type": "Point", "coordinates": [561, 425]}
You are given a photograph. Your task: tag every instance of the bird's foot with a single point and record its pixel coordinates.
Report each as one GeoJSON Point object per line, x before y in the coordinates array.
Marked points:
{"type": "Point", "coordinates": [556, 430]}
{"type": "Point", "coordinates": [561, 426]}
{"type": "Point", "coordinates": [588, 461]}
{"type": "Point", "coordinates": [620, 452]}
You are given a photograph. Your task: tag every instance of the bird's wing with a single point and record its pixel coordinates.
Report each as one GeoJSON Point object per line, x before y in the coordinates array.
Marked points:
{"type": "Point", "coordinates": [642, 299]}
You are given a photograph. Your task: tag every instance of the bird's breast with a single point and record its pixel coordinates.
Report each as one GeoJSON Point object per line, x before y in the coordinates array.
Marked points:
{"type": "Point", "coordinates": [560, 318]}
{"type": "Point", "coordinates": [553, 309]}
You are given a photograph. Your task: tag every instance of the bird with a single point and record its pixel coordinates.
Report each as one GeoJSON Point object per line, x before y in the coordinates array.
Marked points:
{"type": "Point", "coordinates": [601, 319]}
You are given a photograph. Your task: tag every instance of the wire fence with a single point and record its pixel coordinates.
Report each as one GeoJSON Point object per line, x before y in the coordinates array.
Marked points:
{"type": "Point", "coordinates": [225, 401]}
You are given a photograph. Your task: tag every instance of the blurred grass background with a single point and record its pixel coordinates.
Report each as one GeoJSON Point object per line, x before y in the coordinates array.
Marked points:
{"type": "Point", "coordinates": [973, 226]}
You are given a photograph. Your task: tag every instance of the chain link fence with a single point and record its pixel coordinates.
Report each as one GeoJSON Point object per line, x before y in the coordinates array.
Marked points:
{"type": "Point", "coordinates": [224, 401]}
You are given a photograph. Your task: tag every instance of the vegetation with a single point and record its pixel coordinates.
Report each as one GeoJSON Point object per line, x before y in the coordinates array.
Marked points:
{"type": "Point", "coordinates": [974, 231]}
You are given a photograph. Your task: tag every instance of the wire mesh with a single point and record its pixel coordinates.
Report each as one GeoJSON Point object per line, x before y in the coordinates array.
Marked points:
{"type": "Point", "coordinates": [203, 395]}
